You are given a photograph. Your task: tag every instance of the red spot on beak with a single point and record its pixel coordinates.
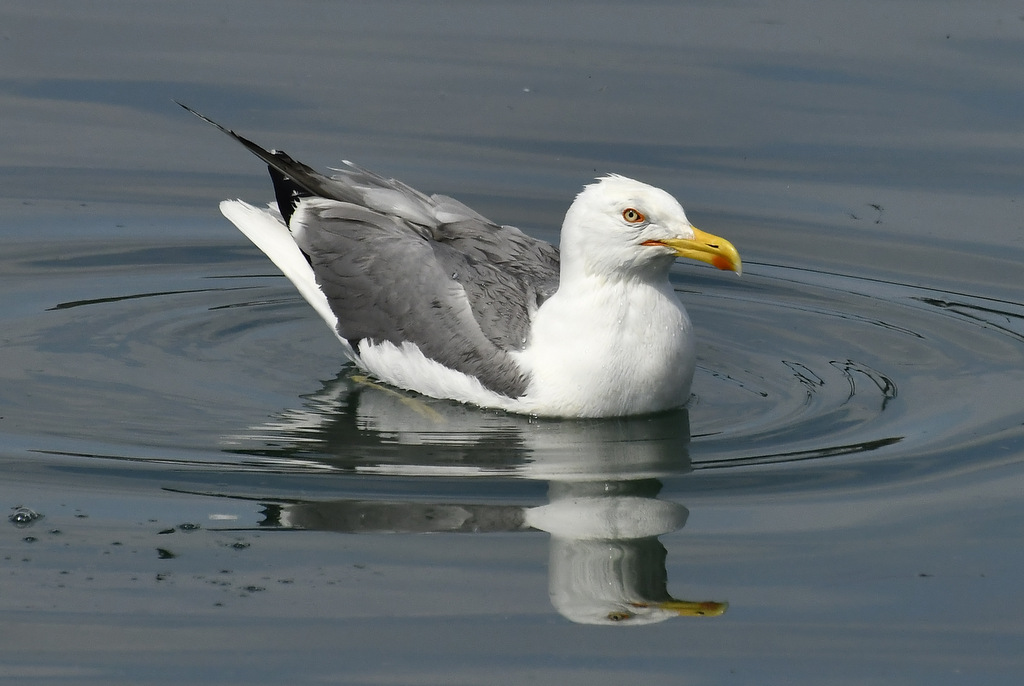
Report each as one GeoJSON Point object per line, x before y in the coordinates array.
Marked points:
{"type": "Point", "coordinates": [721, 263]}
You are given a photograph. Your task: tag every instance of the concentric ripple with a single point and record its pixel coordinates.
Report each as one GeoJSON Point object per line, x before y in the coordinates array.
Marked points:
{"type": "Point", "coordinates": [217, 361]}
{"type": "Point", "coordinates": [821, 364]}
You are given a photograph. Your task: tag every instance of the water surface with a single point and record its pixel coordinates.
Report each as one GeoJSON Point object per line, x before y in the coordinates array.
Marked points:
{"type": "Point", "coordinates": [199, 489]}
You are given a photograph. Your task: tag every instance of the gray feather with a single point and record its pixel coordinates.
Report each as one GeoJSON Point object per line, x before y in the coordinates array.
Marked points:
{"type": "Point", "coordinates": [398, 265]}
{"type": "Point", "coordinates": [389, 279]}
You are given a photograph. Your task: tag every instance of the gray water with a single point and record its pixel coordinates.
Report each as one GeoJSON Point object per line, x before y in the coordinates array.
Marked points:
{"type": "Point", "coordinates": [199, 490]}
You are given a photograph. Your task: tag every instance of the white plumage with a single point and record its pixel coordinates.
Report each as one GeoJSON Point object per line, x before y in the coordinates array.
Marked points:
{"type": "Point", "coordinates": [427, 295]}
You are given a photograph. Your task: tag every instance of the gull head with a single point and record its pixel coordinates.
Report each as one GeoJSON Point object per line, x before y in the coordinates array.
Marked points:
{"type": "Point", "coordinates": [621, 228]}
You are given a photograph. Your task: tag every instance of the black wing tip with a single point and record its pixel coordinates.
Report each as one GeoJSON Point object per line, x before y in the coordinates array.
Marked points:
{"type": "Point", "coordinates": [254, 148]}
{"type": "Point", "coordinates": [287, 192]}
{"type": "Point", "coordinates": [203, 117]}
{"type": "Point", "coordinates": [300, 176]}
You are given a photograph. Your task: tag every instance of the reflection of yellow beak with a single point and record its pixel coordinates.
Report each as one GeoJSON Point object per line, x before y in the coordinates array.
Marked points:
{"type": "Point", "coordinates": [705, 247]}
{"type": "Point", "coordinates": [689, 608]}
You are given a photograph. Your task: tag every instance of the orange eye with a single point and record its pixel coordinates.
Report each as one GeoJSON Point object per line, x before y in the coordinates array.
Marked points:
{"type": "Point", "coordinates": [632, 216]}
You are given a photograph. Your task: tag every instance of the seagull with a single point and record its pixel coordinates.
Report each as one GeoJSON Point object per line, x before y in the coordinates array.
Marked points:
{"type": "Point", "coordinates": [427, 295]}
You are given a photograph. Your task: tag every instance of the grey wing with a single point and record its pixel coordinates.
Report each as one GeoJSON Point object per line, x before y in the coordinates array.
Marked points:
{"type": "Point", "coordinates": [398, 265]}
{"type": "Point", "coordinates": [504, 273]}
{"type": "Point", "coordinates": [439, 286]}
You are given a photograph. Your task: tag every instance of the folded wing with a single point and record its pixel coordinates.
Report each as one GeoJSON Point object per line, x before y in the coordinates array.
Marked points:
{"type": "Point", "coordinates": [400, 266]}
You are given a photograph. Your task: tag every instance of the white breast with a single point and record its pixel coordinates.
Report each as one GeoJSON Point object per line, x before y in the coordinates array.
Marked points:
{"type": "Point", "coordinates": [609, 348]}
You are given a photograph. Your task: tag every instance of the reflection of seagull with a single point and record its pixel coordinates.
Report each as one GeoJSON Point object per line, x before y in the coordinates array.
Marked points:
{"type": "Point", "coordinates": [428, 295]}
{"type": "Point", "coordinates": [604, 476]}
{"type": "Point", "coordinates": [607, 565]}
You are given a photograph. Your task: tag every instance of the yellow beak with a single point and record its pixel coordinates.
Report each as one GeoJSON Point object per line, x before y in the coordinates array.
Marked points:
{"type": "Point", "coordinates": [704, 247]}
{"type": "Point", "coordinates": [689, 608]}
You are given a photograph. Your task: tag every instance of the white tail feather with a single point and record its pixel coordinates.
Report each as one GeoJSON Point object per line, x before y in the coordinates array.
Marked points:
{"type": "Point", "coordinates": [270, 235]}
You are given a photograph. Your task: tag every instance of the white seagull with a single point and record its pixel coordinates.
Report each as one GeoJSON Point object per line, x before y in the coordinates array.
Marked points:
{"type": "Point", "coordinates": [427, 295]}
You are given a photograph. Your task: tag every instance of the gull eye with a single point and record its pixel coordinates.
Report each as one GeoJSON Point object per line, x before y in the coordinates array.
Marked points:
{"type": "Point", "coordinates": [620, 615]}
{"type": "Point", "coordinates": [633, 216]}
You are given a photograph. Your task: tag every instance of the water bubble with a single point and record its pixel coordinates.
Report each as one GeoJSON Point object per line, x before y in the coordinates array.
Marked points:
{"type": "Point", "coordinates": [188, 526]}
{"type": "Point", "coordinates": [23, 516]}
